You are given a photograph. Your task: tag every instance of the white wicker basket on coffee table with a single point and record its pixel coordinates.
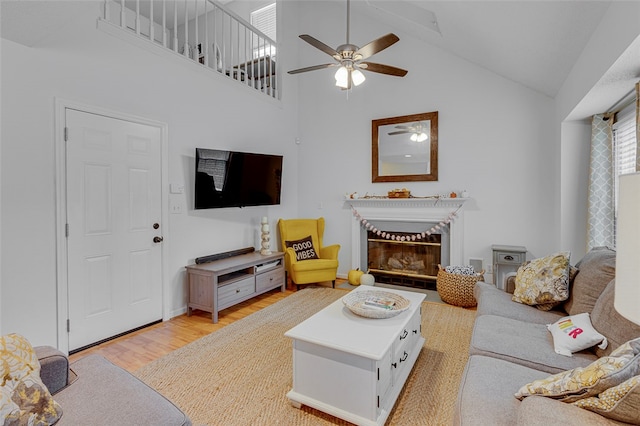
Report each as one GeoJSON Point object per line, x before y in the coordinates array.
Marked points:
{"type": "Point", "coordinates": [355, 301]}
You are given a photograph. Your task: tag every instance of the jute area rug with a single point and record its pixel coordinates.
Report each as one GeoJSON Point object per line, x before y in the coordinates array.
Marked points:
{"type": "Point", "coordinates": [240, 375]}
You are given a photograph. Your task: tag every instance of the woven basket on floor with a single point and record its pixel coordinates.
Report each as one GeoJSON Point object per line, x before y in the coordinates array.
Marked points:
{"type": "Point", "coordinates": [457, 289]}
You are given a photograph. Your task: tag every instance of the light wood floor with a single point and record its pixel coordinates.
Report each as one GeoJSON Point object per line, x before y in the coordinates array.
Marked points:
{"type": "Point", "coordinates": [136, 349]}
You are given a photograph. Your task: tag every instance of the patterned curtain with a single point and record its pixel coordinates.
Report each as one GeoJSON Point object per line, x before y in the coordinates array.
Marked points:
{"type": "Point", "coordinates": [601, 226]}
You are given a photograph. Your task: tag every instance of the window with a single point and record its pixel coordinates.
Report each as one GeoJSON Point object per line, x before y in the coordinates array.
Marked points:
{"type": "Point", "coordinates": [624, 148]}
{"type": "Point", "coordinates": [264, 19]}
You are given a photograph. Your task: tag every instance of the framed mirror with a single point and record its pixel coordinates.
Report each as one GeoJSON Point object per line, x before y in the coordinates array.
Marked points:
{"type": "Point", "coordinates": [405, 148]}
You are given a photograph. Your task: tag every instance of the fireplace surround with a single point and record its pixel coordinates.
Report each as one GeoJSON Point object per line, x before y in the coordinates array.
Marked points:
{"type": "Point", "coordinates": [407, 218]}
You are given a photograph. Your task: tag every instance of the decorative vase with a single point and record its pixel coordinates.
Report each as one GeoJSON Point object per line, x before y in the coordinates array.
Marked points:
{"type": "Point", "coordinates": [265, 245]}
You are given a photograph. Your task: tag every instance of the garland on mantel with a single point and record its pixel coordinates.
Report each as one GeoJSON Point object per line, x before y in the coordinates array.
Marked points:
{"type": "Point", "coordinates": [417, 236]}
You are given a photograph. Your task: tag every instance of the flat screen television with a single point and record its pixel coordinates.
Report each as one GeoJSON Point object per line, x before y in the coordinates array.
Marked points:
{"type": "Point", "coordinates": [236, 179]}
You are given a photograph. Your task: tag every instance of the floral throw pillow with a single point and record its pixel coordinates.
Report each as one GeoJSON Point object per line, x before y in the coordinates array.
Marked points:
{"type": "Point", "coordinates": [543, 282]}
{"type": "Point", "coordinates": [24, 399]}
{"type": "Point", "coordinates": [304, 248]}
{"type": "Point", "coordinates": [618, 403]}
{"type": "Point", "coordinates": [584, 382]}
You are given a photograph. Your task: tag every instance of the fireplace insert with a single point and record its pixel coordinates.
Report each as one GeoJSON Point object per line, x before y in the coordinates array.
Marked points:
{"type": "Point", "coordinates": [411, 263]}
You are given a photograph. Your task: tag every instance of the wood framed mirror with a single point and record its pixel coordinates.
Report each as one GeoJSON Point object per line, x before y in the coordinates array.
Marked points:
{"type": "Point", "coordinates": [405, 148]}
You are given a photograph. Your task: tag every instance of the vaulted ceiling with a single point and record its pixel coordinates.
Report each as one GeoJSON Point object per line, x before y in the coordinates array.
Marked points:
{"type": "Point", "coordinates": [534, 43]}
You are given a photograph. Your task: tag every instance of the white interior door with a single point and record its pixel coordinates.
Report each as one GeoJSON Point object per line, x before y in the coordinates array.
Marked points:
{"type": "Point", "coordinates": [113, 177]}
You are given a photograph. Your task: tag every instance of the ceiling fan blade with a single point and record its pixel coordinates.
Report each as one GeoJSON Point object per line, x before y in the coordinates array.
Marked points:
{"type": "Point", "coordinates": [382, 69]}
{"type": "Point", "coordinates": [403, 132]}
{"type": "Point", "coordinates": [320, 45]}
{"type": "Point", "coordinates": [312, 68]}
{"type": "Point", "coordinates": [377, 45]}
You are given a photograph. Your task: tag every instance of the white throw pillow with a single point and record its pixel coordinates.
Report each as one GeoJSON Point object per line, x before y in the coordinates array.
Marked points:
{"type": "Point", "coordinates": [575, 333]}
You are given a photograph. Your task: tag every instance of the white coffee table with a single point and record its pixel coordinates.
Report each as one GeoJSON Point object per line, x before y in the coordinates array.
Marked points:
{"type": "Point", "coordinates": [354, 367]}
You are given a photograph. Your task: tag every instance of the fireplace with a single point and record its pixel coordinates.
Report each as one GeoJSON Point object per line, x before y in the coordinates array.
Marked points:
{"type": "Point", "coordinates": [400, 263]}
{"type": "Point", "coordinates": [408, 262]}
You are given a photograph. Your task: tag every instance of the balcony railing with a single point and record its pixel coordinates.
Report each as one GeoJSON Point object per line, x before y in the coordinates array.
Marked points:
{"type": "Point", "coordinates": [205, 32]}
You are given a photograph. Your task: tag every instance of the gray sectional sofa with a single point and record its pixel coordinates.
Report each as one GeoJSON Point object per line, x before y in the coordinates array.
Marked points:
{"type": "Point", "coordinates": [93, 391]}
{"type": "Point", "coordinates": [511, 347]}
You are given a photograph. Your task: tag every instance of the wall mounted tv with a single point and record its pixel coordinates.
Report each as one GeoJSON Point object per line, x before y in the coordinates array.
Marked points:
{"type": "Point", "coordinates": [236, 179]}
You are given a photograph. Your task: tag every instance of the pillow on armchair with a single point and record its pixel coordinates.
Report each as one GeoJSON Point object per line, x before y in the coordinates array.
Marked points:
{"type": "Point", "coordinates": [304, 248]}
{"type": "Point", "coordinates": [24, 399]}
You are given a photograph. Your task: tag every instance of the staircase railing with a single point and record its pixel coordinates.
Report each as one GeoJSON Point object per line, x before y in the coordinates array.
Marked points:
{"type": "Point", "coordinates": [205, 32]}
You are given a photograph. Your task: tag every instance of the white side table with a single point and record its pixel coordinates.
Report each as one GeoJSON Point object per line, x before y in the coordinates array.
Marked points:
{"type": "Point", "coordinates": [506, 259]}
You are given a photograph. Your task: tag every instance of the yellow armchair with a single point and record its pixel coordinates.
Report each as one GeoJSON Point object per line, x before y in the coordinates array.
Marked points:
{"type": "Point", "coordinates": [299, 267]}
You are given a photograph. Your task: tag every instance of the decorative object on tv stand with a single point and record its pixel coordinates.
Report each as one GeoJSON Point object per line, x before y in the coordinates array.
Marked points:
{"type": "Point", "coordinates": [265, 245]}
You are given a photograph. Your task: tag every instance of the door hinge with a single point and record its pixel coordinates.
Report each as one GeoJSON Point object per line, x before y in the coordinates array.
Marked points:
{"type": "Point", "coordinates": [378, 401]}
{"type": "Point", "coordinates": [66, 134]}
{"type": "Point", "coordinates": [66, 230]}
{"type": "Point", "coordinates": [378, 373]}
{"type": "Point", "coordinates": [68, 325]}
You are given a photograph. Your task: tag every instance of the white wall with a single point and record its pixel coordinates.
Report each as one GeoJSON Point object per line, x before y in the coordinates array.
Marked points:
{"type": "Point", "coordinates": [575, 150]}
{"type": "Point", "coordinates": [616, 32]}
{"type": "Point", "coordinates": [201, 109]}
{"type": "Point", "coordinates": [495, 138]}
{"type": "Point", "coordinates": [498, 140]}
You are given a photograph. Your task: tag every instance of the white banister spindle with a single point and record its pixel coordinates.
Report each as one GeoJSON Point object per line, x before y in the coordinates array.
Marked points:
{"type": "Point", "coordinates": [247, 43]}
{"type": "Point", "coordinates": [151, 22]}
{"type": "Point", "coordinates": [186, 30]}
{"type": "Point", "coordinates": [196, 51]}
{"type": "Point", "coordinates": [231, 46]}
{"type": "Point", "coordinates": [164, 23]}
{"type": "Point", "coordinates": [224, 46]}
{"type": "Point", "coordinates": [123, 16]}
{"type": "Point", "coordinates": [175, 26]}
{"type": "Point", "coordinates": [138, 17]}
{"type": "Point", "coordinates": [238, 44]}
{"type": "Point", "coordinates": [264, 66]}
{"type": "Point", "coordinates": [206, 34]}
{"type": "Point", "coordinates": [215, 39]}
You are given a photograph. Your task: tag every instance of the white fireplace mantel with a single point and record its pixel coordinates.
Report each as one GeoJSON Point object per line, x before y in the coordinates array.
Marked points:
{"type": "Point", "coordinates": [415, 210]}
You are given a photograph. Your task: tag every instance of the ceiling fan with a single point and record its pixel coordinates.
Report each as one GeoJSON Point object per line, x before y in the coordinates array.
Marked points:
{"type": "Point", "coordinates": [417, 130]}
{"type": "Point", "coordinates": [350, 58]}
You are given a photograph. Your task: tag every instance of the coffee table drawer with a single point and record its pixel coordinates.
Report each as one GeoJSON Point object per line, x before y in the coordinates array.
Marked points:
{"type": "Point", "coordinates": [407, 336]}
{"type": "Point", "coordinates": [228, 294]}
{"type": "Point", "coordinates": [405, 345]}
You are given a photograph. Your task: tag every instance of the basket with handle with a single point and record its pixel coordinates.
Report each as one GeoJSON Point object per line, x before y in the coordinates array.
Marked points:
{"type": "Point", "coordinates": [457, 289]}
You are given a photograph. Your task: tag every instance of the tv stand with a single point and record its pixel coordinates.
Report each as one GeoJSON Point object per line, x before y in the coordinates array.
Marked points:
{"type": "Point", "coordinates": [217, 285]}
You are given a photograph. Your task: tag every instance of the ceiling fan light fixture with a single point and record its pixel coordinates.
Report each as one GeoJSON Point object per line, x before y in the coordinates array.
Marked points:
{"type": "Point", "coordinates": [418, 137]}
{"type": "Point", "coordinates": [357, 77]}
{"type": "Point", "coordinates": [342, 77]}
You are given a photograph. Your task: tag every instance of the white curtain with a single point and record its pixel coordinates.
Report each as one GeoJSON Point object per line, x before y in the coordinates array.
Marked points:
{"type": "Point", "coordinates": [601, 225]}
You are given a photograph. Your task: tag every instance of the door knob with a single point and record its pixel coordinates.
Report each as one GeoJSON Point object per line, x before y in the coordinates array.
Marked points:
{"type": "Point", "coordinates": [157, 239]}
